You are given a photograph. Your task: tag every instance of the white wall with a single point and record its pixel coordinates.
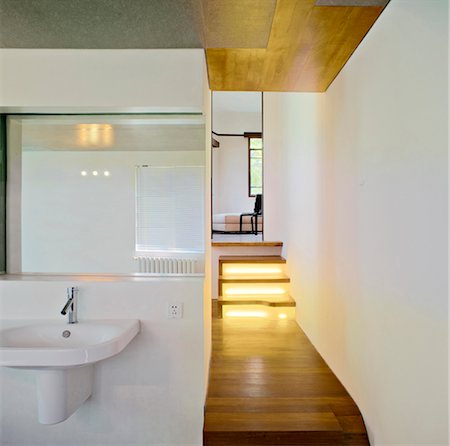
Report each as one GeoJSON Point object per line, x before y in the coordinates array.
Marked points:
{"type": "Point", "coordinates": [127, 80]}
{"type": "Point", "coordinates": [207, 313]}
{"type": "Point", "coordinates": [152, 393]}
{"type": "Point", "coordinates": [230, 176]}
{"type": "Point", "coordinates": [236, 121]}
{"type": "Point", "coordinates": [448, 234]}
{"type": "Point", "coordinates": [230, 160]}
{"type": "Point", "coordinates": [74, 223]}
{"type": "Point", "coordinates": [365, 220]}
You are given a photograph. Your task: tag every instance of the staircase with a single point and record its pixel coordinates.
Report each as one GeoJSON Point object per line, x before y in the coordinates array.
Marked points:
{"type": "Point", "coordinates": [254, 286]}
{"type": "Point", "coordinates": [268, 386]}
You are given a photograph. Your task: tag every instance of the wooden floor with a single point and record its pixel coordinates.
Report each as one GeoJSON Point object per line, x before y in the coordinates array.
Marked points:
{"type": "Point", "coordinates": [244, 243]}
{"type": "Point", "coordinates": [237, 237]}
{"type": "Point", "coordinates": [269, 386]}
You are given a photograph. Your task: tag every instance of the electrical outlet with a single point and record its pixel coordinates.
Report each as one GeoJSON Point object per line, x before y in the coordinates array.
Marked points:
{"type": "Point", "coordinates": [175, 311]}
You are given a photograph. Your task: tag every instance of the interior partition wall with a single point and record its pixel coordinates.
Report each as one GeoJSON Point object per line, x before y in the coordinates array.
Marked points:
{"type": "Point", "coordinates": [2, 194]}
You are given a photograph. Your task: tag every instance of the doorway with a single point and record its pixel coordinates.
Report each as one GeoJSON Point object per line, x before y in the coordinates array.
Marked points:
{"type": "Point", "coordinates": [237, 167]}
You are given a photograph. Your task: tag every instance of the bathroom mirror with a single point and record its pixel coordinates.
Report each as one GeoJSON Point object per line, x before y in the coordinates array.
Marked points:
{"type": "Point", "coordinates": [102, 194]}
{"type": "Point", "coordinates": [237, 166]}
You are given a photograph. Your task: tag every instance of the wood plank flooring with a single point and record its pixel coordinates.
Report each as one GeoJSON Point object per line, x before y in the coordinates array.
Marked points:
{"type": "Point", "coordinates": [241, 244]}
{"type": "Point", "coordinates": [269, 386]}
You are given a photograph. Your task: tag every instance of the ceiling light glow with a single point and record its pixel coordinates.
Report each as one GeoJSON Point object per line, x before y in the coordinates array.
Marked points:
{"type": "Point", "coordinates": [96, 135]}
{"type": "Point", "coordinates": [95, 173]}
{"type": "Point", "coordinates": [83, 173]}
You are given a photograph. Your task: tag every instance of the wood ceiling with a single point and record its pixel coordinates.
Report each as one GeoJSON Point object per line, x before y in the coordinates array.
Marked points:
{"type": "Point", "coordinates": [304, 49]}
{"type": "Point", "coordinates": [250, 45]}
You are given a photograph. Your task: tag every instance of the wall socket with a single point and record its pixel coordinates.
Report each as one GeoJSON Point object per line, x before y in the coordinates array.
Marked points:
{"type": "Point", "coordinates": [175, 311]}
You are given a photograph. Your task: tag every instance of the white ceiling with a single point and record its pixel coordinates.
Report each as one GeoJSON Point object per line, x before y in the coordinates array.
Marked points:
{"type": "Point", "coordinates": [237, 101]}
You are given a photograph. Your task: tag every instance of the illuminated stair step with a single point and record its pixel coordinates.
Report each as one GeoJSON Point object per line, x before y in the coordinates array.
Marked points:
{"type": "Point", "coordinates": [271, 301]}
{"type": "Point", "coordinates": [253, 289]}
{"type": "Point", "coordinates": [254, 286]}
{"type": "Point", "coordinates": [252, 269]}
{"type": "Point", "coordinates": [259, 302]}
{"type": "Point", "coordinates": [257, 311]}
{"type": "Point", "coordinates": [253, 260]}
{"type": "Point", "coordinates": [255, 278]}
{"type": "Point", "coordinates": [251, 265]}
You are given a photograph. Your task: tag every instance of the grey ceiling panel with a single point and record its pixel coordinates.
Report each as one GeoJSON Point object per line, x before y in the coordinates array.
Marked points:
{"type": "Point", "coordinates": [100, 24]}
{"type": "Point", "coordinates": [237, 23]}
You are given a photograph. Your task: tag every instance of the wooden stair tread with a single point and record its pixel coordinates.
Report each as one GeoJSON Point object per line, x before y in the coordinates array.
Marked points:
{"type": "Point", "coordinates": [340, 406]}
{"type": "Point", "coordinates": [274, 438]}
{"type": "Point", "coordinates": [271, 421]}
{"type": "Point", "coordinates": [270, 301]}
{"type": "Point", "coordinates": [252, 259]}
{"type": "Point", "coordinates": [254, 278]}
{"type": "Point", "coordinates": [239, 244]}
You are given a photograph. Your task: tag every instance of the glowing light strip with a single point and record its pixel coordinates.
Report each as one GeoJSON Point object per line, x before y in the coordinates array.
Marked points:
{"type": "Point", "coordinates": [252, 291]}
{"type": "Point", "coordinates": [246, 270]}
{"type": "Point", "coordinates": [245, 314]}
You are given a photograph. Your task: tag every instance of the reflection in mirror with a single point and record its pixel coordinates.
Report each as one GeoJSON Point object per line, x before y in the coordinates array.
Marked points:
{"type": "Point", "coordinates": [106, 194]}
{"type": "Point", "coordinates": [237, 166]}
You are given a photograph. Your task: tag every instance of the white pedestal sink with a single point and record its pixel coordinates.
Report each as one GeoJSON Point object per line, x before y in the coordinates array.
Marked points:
{"type": "Point", "coordinates": [63, 356]}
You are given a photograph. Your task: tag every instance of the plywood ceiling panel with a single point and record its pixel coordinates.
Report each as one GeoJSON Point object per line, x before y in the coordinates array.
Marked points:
{"type": "Point", "coordinates": [307, 47]}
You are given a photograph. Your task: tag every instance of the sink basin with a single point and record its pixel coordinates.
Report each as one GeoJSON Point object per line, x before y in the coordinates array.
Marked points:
{"type": "Point", "coordinates": [62, 356]}
{"type": "Point", "coordinates": [44, 344]}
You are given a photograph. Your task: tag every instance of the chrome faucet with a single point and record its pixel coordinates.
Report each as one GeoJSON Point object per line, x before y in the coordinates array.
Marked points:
{"type": "Point", "coordinates": [71, 305]}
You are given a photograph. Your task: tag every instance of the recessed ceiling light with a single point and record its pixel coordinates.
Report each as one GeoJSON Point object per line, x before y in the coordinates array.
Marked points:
{"type": "Point", "coordinates": [83, 173]}
{"type": "Point", "coordinates": [95, 173]}
{"type": "Point", "coordinates": [106, 173]}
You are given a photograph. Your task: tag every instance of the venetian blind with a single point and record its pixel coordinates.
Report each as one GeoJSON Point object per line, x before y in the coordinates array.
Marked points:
{"type": "Point", "coordinates": [169, 208]}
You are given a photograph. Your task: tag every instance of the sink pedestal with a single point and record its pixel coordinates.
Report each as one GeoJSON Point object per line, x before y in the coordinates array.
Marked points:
{"type": "Point", "coordinates": [62, 359]}
{"type": "Point", "coordinates": [62, 391]}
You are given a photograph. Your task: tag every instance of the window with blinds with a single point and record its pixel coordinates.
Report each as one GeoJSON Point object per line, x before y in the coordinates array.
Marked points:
{"type": "Point", "coordinates": [169, 208]}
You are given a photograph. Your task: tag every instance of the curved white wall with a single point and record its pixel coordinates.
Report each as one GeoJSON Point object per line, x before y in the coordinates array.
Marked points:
{"type": "Point", "coordinates": [364, 173]}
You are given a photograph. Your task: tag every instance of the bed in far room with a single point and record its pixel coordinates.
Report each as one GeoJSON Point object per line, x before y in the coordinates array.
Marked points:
{"type": "Point", "coordinates": [241, 223]}
{"type": "Point", "coordinates": [230, 222]}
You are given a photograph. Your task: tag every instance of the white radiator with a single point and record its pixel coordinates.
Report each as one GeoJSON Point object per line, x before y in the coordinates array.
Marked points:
{"type": "Point", "coordinates": [165, 265]}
